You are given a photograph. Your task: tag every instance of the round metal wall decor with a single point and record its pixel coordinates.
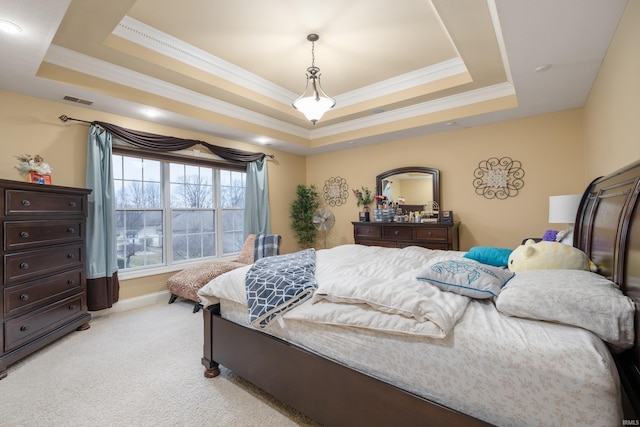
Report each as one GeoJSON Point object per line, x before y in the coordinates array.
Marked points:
{"type": "Point", "coordinates": [498, 178]}
{"type": "Point", "coordinates": [335, 191]}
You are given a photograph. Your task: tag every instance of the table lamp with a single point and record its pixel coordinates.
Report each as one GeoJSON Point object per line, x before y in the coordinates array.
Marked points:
{"type": "Point", "coordinates": [563, 210]}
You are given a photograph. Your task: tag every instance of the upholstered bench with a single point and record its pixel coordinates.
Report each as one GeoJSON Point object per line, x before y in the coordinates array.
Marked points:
{"type": "Point", "coordinates": [187, 282]}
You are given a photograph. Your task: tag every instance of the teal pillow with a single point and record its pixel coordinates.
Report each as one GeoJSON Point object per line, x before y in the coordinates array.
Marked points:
{"type": "Point", "coordinates": [498, 257]}
{"type": "Point", "coordinates": [469, 278]}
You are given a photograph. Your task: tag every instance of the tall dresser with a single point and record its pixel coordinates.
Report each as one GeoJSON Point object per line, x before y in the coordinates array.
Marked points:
{"type": "Point", "coordinates": [43, 266]}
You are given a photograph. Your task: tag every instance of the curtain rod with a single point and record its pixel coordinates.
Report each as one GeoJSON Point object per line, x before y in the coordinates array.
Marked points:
{"type": "Point", "coordinates": [65, 118]}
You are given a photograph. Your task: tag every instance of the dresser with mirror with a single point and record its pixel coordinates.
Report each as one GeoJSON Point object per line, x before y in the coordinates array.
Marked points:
{"type": "Point", "coordinates": [409, 189]}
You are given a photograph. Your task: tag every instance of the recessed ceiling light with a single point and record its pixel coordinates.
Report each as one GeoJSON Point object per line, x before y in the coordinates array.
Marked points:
{"type": "Point", "coordinates": [263, 140]}
{"type": "Point", "coordinates": [9, 27]}
{"type": "Point", "coordinates": [151, 113]}
{"type": "Point", "coordinates": [542, 68]}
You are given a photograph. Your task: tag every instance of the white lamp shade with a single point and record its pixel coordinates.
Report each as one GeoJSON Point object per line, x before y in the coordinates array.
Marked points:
{"type": "Point", "coordinates": [563, 209]}
{"type": "Point", "coordinates": [313, 108]}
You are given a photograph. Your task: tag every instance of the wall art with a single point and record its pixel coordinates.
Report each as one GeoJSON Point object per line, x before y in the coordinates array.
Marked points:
{"type": "Point", "coordinates": [498, 178]}
{"type": "Point", "coordinates": [335, 191]}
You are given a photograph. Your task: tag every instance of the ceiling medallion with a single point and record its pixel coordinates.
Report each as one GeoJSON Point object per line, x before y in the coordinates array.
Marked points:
{"type": "Point", "coordinates": [498, 178]}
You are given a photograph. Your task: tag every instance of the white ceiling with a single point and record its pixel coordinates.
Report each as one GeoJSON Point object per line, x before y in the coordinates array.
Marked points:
{"type": "Point", "coordinates": [231, 68]}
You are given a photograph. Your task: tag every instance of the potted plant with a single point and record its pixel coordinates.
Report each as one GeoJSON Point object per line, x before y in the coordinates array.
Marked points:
{"type": "Point", "coordinates": [364, 198]}
{"type": "Point", "coordinates": [301, 215]}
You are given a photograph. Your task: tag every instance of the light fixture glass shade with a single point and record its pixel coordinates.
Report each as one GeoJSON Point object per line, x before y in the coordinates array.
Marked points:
{"type": "Point", "coordinates": [313, 103]}
{"type": "Point", "coordinates": [563, 209]}
{"type": "Point", "coordinates": [313, 107]}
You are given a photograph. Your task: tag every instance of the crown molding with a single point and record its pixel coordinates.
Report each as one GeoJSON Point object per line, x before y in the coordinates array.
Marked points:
{"type": "Point", "coordinates": [85, 64]}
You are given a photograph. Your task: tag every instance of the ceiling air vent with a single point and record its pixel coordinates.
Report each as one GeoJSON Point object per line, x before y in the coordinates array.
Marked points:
{"type": "Point", "coordinates": [78, 100]}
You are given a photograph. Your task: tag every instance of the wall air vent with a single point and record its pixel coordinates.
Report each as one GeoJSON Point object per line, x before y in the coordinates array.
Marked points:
{"type": "Point", "coordinates": [78, 100]}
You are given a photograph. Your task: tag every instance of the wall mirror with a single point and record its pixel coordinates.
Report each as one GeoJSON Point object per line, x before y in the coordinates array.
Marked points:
{"type": "Point", "coordinates": [413, 185]}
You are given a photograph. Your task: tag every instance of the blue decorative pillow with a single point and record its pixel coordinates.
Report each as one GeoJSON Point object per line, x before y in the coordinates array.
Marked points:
{"type": "Point", "coordinates": [498, 257]}
{"type": "Point", "coordinates": [469, 278]}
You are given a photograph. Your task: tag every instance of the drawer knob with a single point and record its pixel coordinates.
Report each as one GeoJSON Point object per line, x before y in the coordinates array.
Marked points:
{"type": "Point", "coordinates": [24, 328]}
{"type": "Point", "coordinates": [69, 256]}
{"type": "Point", "coordinates": [429, 233]}
{"type": "Point", "coordinates": [24, 235]}
{"type": "Point", "coordinates": [24, 266]}
{"type": "Point", "coordinates": [26, 202]}
{"type": "Point", "coordinates": [24, 297]}
{"type": "Point", "coordinates": [72, 204]}
{"type": "Point", "coordinates": [396, 232]}
{"type": "Point", "coordinates": [70, 282]}
{"type": "Point", "coordinates": [71, 230]}
{"type": "Point", "coordinates": [72, 307]}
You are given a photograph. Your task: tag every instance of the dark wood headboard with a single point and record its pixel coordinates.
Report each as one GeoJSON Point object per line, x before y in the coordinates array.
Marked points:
{"type": "Point", "coordinates": [608, 230]}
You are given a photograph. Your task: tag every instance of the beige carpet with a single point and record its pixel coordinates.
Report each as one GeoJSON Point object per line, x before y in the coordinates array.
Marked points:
{"type": "Point", "coordinates": [135, 368]}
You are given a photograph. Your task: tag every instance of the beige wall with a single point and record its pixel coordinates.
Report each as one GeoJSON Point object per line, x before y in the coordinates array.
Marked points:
{"type": "Point", "coordinates": [612, 110]}
{"type": "Point", "coordinates": [31, 126]}
{"type": "Point", "coordinates": [548, 146]}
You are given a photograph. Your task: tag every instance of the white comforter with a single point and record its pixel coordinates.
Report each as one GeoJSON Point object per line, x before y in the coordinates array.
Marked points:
{"type": "Point", "coordinates": [380, 292]}
{"type": "Point", "coordinates": [505, 370]}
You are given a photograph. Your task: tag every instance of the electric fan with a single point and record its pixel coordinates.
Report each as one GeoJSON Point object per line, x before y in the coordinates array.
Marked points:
{"type": "Point", "coordinates": [323, 221]}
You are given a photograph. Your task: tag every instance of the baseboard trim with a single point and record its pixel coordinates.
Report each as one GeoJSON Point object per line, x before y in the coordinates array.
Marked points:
{"type": "Point", "coordinates": [133, 303]}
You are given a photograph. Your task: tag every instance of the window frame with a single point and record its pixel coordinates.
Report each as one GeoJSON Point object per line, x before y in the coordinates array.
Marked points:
{"type": "Point", "coordinates": [193, 157]}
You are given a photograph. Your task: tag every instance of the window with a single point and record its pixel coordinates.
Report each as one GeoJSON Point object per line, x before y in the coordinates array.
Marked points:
{"type": "Point", "coordinates": [170, 212]}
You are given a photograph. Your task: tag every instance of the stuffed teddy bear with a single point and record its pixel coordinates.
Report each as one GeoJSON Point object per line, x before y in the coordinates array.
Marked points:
{"type": "Point", "coordinates": [547, 256]}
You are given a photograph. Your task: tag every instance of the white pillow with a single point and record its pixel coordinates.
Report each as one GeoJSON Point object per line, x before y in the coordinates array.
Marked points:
{"type": "Point", "coordinates": [466, 277]}
{"type": "Point", "coordinates": [573, 297]}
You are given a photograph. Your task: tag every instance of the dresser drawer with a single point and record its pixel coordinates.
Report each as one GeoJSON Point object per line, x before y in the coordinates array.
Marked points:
{"type": "Point", "coordinates": [32, 295]}
{"type": "Point", "coordinates": [370, 231]}
{"type": "Point", "coordinates": [433, 234]}
{"type": "Point", "coordinates": [32, 202]}
{"type": "Point", "coordinates": [396, 233]}
{"type": "Point", "coordinates": [27, 234]}
{"type": "Point", "coordinates": [22, 266]}
{"type": "Point", "coordinates": [25, 328]}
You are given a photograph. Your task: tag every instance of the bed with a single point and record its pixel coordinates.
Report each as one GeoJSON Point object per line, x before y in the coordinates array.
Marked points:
{"type": "Point", "coordinates": [522, 372]}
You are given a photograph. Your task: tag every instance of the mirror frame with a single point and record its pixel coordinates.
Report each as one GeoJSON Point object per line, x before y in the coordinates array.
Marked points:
{"type": "Point", "coordinates": [435, 176]}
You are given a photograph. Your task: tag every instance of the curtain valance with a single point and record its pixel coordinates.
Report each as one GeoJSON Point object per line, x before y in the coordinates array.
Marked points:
{"type": "Point", "coordinates": [153, 141]}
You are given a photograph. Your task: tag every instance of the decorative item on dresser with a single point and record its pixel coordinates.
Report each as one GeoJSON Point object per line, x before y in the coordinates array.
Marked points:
{"type": "Point", "coordinates": [401, 234]}
{"type": "Point", "coordinates": [43, 270]}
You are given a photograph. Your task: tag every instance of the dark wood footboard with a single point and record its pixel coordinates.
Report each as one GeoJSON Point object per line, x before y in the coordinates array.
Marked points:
{"type": "Point", "coordinates": [324, 390]}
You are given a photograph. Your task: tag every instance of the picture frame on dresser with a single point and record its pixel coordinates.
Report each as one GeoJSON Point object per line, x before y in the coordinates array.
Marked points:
{"type": "Point", "coordinates": [43, 266]}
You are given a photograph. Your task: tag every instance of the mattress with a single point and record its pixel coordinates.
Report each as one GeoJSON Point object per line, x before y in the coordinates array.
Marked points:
{"type": "Point", "coordinates": [507, 371]}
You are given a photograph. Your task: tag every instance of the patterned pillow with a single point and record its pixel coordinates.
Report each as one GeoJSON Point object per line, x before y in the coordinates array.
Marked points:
{"type": "Point", "coordinates": [573, 297]}
{"type": "Point", "coordinates": [246, 253]}
{"type": "Point", "coordinates": [469, 278]}
{"type": "Point", "coordinates": [187, 282]}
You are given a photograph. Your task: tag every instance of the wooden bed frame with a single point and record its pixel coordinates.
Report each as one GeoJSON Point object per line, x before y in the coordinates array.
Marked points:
{"type": "Point", "coordinates": [607, 229]}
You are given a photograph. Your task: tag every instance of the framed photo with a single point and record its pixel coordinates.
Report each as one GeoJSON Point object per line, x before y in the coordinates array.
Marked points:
{"type": "Point", "coordinates": [39, 179]}
{"type": "Point", "coordinates": [447, 216]}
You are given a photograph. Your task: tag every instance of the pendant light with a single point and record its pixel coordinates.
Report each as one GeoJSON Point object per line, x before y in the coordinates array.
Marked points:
{"type": "Point", "coordinates": [313, 102]}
